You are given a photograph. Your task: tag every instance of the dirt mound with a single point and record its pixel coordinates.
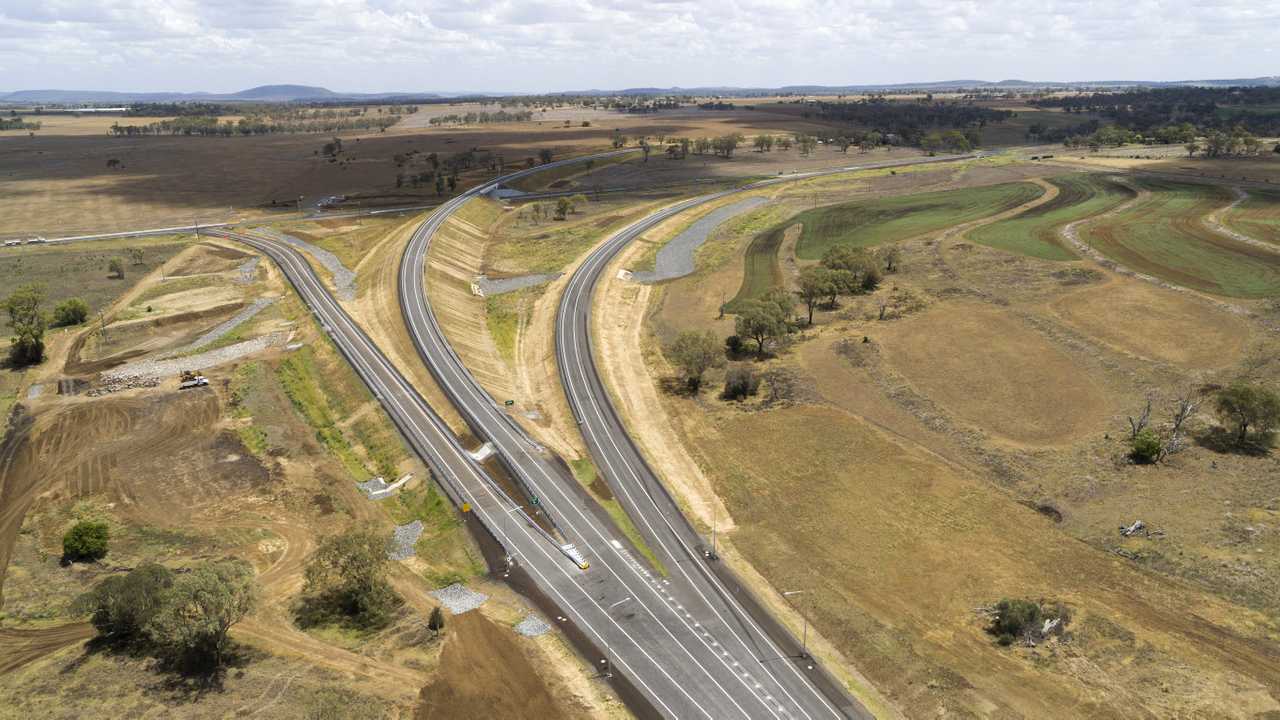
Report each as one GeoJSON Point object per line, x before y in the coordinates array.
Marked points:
{"type": "Point", "coordinates": [1156, 323]}
{"type": "Point", "coordinates": [986, 367]}
{"type": "Point", "coordinates": [483, 673]}
{"type": "Point", "coordinates": [209, 258]}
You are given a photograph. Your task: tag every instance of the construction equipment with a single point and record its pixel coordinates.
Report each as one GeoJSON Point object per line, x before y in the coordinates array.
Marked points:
{"type": "Point", "coordinates": [192, 379]}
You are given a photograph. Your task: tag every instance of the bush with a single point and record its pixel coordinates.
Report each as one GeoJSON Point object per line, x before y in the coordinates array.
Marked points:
{"type": "Point", "coordinates": [1147, 447]}
{"type": "Point", "coordinates": [122, 606]}
{"type": "Point", "coordinates": [85, 541]}
{"type": "Point", "coordinates": [733, 345]}
{"type": "Point", "coordinates": [1013, 619]}
{"type": "Point", "coordinates": [739, 383]}
{"type": "Point", "coordinates": [71, 311]}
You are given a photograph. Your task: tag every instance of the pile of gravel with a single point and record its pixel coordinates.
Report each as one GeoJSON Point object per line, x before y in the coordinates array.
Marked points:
{"type": "Point", "coordinates": [343, 279]}
{"type": "Point", "coordinates": [247, 270]}
{"type": "Point", "coordinates": [157, 370]}
{"type": "Point", "coordinates": [497, 286]}
{"type": "Point", "coordinates": [457, 599]}
{"type": "Point", "coordinates": [533, 626]}
{"type": "Point", "coordinates": [225, 327]}
{"type": "Point", "coordinates": [403, 540]}
{"type": "Point", "coordinates": [111, 385]}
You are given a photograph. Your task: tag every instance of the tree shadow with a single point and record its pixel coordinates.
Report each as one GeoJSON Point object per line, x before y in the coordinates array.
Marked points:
{"type": "Point", "coordinates": [1225, 442]}
{"type": "Point", "coordinates": [678, 387]}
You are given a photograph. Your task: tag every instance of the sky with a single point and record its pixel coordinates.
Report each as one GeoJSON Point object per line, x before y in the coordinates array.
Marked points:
{"type": "Point", "coordinates": [548, 45]}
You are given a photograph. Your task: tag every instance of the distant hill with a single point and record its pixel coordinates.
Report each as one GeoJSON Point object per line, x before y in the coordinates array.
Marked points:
{"type": "Point", "coordinates": [300, 93]}
{"type": "Point", "coordinates": [262, 93]}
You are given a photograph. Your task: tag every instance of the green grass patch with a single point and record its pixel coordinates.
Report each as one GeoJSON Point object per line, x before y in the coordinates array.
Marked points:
{"type": "Point", "coordinates": [481, 212]}
{"type": "Point", "coordinates": [585, 471]}
{"type": "Point", "coordinates": [866, 223]}
{"type": "Point", "coordinates": [1036, 232]}
{"type": "Point", "coordinates": [1163, 235]}
{"type": "Point", "coordinates": [502, 315]}
{"type": "Point", "coordinates": [1258, 217]}
{"type": "Point", "coordinates": [382, 445]}
{"type": "Point", "coordinates": [449, 559]}
{"type": "Point", "coordinates": [298, 376]}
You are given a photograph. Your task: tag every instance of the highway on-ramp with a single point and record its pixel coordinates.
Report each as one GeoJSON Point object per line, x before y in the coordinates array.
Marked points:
{"type": "Point", "coordinates": [731, 654]}
{"type": "Point", "coordinates": [661, 650]}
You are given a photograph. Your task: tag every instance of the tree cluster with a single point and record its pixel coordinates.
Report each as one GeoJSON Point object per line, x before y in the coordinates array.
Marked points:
{"type": "Point", "coordinates": [1257, 109]}
{"type": "Point", "coordinates": [482, 118]}
{"type": "Point", "coordinates": [1026, 620]}
{"type": "Point", "coordinates": [182, 617]}
{"type": "Point", "coordinates": [910, 121]}
{"type": "Point", "coordinates": [843, 271]}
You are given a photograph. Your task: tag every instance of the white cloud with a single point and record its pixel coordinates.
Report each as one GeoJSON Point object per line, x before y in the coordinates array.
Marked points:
{"type": "Point", "coordinates": [533, 45]}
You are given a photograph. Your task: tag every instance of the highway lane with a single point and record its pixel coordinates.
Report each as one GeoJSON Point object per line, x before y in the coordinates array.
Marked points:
{"type": "Point", "coordinates": [638, 633]}
{"type": "Point", "coordinates": [748, 662]}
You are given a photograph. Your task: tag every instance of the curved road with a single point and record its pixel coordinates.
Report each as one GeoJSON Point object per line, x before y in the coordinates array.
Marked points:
{"type": "Point", "coordinates": [733, 661]}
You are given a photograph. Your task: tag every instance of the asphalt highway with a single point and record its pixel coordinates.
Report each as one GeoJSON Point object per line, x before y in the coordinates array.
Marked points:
{"type": "Point", "coordinates": [733, 662]}
{"type": "Point", "coordinates": [624, 609]}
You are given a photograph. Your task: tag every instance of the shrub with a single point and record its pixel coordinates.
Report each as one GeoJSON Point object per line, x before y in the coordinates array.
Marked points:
{"type": "Point", "coordinates": [739, 383]}
{"type": "Point", "coordinates": [733, 345]}
{"type": "Point", "coordinates": [71, 311]}
{"type": "Point", "coordinates": [1147, 447]}
{"type": "Point", "coordinates": [1013, 619]}
{"type": "Point", "coordinates": [85, 541]}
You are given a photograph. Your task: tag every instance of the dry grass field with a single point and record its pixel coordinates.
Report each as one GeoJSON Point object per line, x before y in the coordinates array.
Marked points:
{"type": "Point", "coordinates": [971, 446]}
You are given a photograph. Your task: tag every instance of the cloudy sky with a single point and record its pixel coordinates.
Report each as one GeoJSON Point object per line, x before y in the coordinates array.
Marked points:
{"type": "Point", "coordinates": [541, 45]}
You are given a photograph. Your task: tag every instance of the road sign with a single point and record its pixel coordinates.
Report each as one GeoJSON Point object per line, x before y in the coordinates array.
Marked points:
{"type": "Point", "coordinates": [533, 501]}
{"type": "Point", "coordinates": [466, 507]}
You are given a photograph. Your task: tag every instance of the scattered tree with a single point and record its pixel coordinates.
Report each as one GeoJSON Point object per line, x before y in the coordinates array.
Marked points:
{"type": "Point", "coordinates": [545, 155]}
{"type": "Point", "coordinates": [71, 311]}
{"type": "Point", "coordinates": [564, 206]}
{"type": "Point", "coordinates": [1249, 407]}
{"type": "Point", "coordinates": [116, 267]}
{"type": "Point", "coordinates": [1138, 424]}
{"type": "Point", "coordinates": [347, 576]}
{"type": "Point", "coordinates": [816, 285]}
{"type": "Point", "coordinates": [761, 321]}
{"type": "Point", "coordinates": [694, 353]}
{"type": "Point", "coordinates": [86, 541]}
{"type": "Point", "coordinates": [135, 255]}
{"type": "Point", "coordinates": [28, 324]}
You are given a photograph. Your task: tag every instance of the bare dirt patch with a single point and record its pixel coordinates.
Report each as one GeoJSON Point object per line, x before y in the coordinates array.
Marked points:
{"type": "Point", "coordinates": [1156, 323]}
{"type": "Point", "coordinates": [995, 372]}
